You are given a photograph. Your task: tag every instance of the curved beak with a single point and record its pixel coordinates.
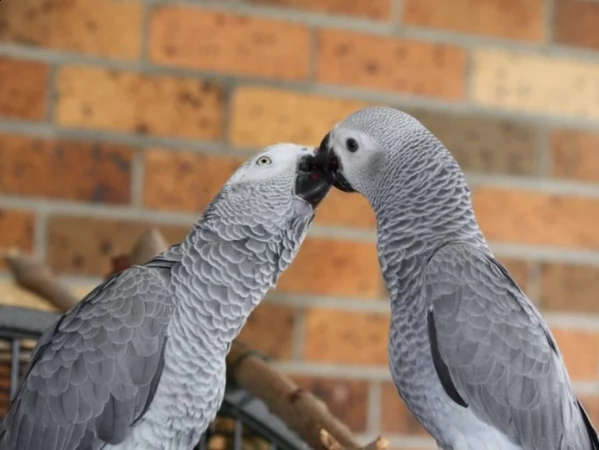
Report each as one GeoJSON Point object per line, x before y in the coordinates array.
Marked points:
{"type": "Point", "coordinates": [313, 181]}
{"type": "Point", "coordinates": [327, 158]}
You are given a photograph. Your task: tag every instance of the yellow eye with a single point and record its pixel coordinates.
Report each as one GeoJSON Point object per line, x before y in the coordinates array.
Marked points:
{"type": "Point", "coordinates": [264, 161]}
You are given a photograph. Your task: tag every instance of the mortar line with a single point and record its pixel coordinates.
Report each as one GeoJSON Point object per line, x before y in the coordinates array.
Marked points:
{"type": "Point", "coordinates": [543, 149]}
{"type": "Point", "coordinates": [312, 55]}
{"type": "Point", "coordinates": [549, 23]}
{"type": "Point", "coordinates": [146, 14]}
{"type": "Point", "coordinates": [138, 178]}
{"type": "Point", "coordinates": [396, 13]}
{"type": "Point", "coordinates": [51, 93]}
{"type": "Point", "coordinates": [40, 237]}
{"type": "Point", "coordinates": [374, 406]}
{"type": "Point", "coordinates": [298, 334]}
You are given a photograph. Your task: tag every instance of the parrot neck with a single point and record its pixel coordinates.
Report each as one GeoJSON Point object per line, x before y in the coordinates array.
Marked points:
{"type": "Point", "coordinates": [218, 283]}
{"type": "Point", "coordinates": [416, 216]}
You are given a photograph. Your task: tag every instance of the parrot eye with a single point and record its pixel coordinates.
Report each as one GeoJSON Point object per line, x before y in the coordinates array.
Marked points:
{"type": "Point", "coordinates": [264, 161]}
{"type": "Point", "coordinates": [352, 145]}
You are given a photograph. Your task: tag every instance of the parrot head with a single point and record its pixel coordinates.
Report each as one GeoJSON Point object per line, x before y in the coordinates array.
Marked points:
{"type": "Point", "coordinates": [374, 144]}
{"type": "Point", "coordinates": [279, 183]}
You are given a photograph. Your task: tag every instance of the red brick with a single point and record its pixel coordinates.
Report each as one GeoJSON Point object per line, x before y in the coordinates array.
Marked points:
{"type": "Point", "coordinates": [109, 28]}
{"type": "Point", "coordinates": [519, 270]}
{"type": "Point", "coordinates": [269, 329]}
{"type": "Point", "coordinates": [71, 170]}
{"type": "Point", "coordinates": [23, 88]}
{"type": "Point", "coordinates": [231, 43]}
{"type": "Point", "coordinates": [569, 287]}
{"type": "Point", "coordinates": [335, 336]}
{"type": "Point", "coordinates": [336, 268]}
{"type": "Point", "coordinates": [346, 399]}
{"type": "Point", "coordinates": [177, 181]}
{"type": "Point", "coordinates": [391, 64]}
{"type": "Point", "coordinates": [16, 230]}
{"type": "Point", "coordinates": [574, 155]}
{"type": "Point", "coordinates": [395, 415]}
{"type": "Point", "coordinates": [370, 9]}
{"type": "Point", "coordinates": [576, 23]}
{"type": "Point", "coordinates": [580, 350]}
{"type": "Point", "coordinates": [144, 104]}
{"type": "Point", "coordinates": [537, 218]}
{"type": "Point", "coordinates": [512, 19]}
{"type": "Point", "coordinates": [84, 245]}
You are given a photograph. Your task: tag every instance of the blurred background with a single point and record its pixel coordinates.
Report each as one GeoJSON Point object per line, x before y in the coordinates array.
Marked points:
{"type": "Point", "coordinates": [120, 115]}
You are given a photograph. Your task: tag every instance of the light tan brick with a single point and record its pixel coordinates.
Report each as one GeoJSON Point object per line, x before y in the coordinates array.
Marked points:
{"type": "Point", "coordinates": [261, 116]}
{"type": "Point", "coordinates": [576, 23]}
{"type": "Point", "coordinates": [23, 88]}
{"type": "Point", "coordinates": [570, 288]}
{"type": "Point", "coordinates": [109, 28]}
{"type": "Point", "coordinates": [336, 268]}
{"type": "Point", "coordinates": [16, 230]}
{"type": "Point", "coordinates": [13, 295]}
{"type": "Point", "coordinates": [371, 9]}
{"type": "Point", "coordinates": [574, 155]}
{"type": "Point", "coordinates": [513, 19]}
{"type": "Point", "coordinates": [269, 329]}
{"type": "Point", "coordinates": [72, 170]}
{"type": "Point", "coordinates": [335, 336]}
{"type": "Point", "coordinates": [535, 83]}
{"type": "Point", "coordinates": [81, 245]}
{"type": "Point", "coordinates": [131, 102]}
{"type": "Point", "coordinates": [580, 350]}
{"type": "Point", "coordinates": [395, 415]}
{"type": "Point", "coordinates": [226, 42]}
{"type": "Point", "coordinates": [535, 218]}
{"type": "Point", "coordinates": [183, 180]}
{"type": "Point", "coordinates": [390, 64]}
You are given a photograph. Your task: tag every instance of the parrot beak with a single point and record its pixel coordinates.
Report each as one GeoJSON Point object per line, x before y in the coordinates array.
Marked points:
{"type": "Point", "coordinates": [312, 182]}
{"type": "Point", "coordinates": [328, 159]}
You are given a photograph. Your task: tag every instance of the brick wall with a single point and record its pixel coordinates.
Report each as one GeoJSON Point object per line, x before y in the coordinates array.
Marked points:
{"type": "Point", "coordinates": [117, 114]}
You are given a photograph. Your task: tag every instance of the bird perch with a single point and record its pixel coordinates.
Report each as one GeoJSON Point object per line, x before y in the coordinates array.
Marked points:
{"type": "Point", "coordinates": [303, 413]}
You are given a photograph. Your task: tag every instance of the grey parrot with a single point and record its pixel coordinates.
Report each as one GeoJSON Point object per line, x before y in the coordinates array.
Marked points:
{"type": "Point", "coordinates": [469, 353]}
{"type": "Point", "coordinates": [139, 363]}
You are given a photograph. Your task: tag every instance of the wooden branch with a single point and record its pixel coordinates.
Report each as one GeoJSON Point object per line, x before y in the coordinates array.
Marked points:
{"type": "Point", "coordinates": [303, 413]}
{"type": "Point", "coordinates": [36, 277]}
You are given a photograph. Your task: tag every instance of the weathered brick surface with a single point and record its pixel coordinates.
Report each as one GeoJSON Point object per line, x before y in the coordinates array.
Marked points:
{"type": "Point", "coordinates": [519, 270]}
{"type": "Point", "coordinates": [483, 144]}
{"type": "Point", "coordinates": [576, 23]}
{"type": "Point", "coordinates": [580, 350]}
{"type": "Point", "coordinates": [569, 288]}
{"type": "Point", "coordinates": [229, 43]}
{"type": "Point", "coordinates": [81, 245]}
{"type": "Point", "coordinates": [199, 176]}
{"type": "Point", "coordinates": [71, 170]}
{"type": "Point", "coordinates": [537, 218]}
{"type": "Point", "coordinates": [512, 19]}
{"type": "Point", "coordinates": [535, 83]}
{"type": "Point", "coordinates": [23, 88]}
{"type": "Point", "coordinates": [395, 415]}
{"type": "Point", "coordinates": [135, 103]}
{"type": "Point", "coordinates": [346, 337]}
{"type": "Point", "coordinates": [370, 9]}
{"type": "Point", "coordinates": [105, 27]}
{"type": "Point", "coordinates": [269, 329]}
{"type": "Point", "coordinates": [390, 64]}
{"type": "Point", "coordinates": [334, 267]}
{"type": "Point", "coordinates": [574, 155]}
{"type": "Point", "coordinates": [346, 399]}
{"type": "Point", "coordinates": [16, 230]}
{"type": "Point", "coordinates": [262, 115]}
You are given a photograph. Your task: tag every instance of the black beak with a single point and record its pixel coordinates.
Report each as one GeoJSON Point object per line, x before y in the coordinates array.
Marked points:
{"type": "Point", "coordinates": [327, 158]}
{"type": "Point", "coordinates": [313, 181]}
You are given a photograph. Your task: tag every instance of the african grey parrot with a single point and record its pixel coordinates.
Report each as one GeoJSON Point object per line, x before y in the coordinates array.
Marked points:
{"type": "Point", "coordinates": [139, 363]}
{"type": "Point", "coordinates": [469, 353]}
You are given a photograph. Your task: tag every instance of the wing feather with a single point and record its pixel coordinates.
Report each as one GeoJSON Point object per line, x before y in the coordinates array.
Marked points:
{"type": "Point", "coordinates": [95, 372]}
{"type": "Point", "coordinates": [499, 354]}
